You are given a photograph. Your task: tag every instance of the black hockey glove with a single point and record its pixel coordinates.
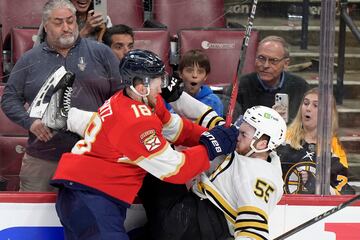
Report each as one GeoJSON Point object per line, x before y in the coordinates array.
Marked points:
{"type": "Point", "coordinates": [172, 92]}
{"type": "Point", "coordinates": [220, 140]}
{"type": "Point", "coordinates": [309, 184]}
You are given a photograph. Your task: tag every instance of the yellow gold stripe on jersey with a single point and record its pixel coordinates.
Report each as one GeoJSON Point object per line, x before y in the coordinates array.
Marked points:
{"type": "Point", "coordinates": [251, 235]}
{"type": "Point", "coordinates": [251, 223]}
{"type": "Point", "coordinates": [215, 121]}
{"type": "Point", "coordinates": [336, 192]}
{"type": "Point", "coordinates": [215, 197]}
{"type": "Point", "coordinates": [209, 119]}
{"type": "Point", "coordinates": [199, 188]}
{"type": "Point", "coordinates": [125, 160]}
{"type": "Point", "coordinates": [252, 220]}
{"type": "Point", "coordinates": [231, 220]}
{"type": "Point", "coordinates": [172, 129]}
{"type": "Point", "coordinates": [164, 163]}
{"type": "Point", "coordinates": [222, 167]}
{"type": "Point", "coordinates": [338, 150]}
{"type": "Point", "coordinates": [254, 210]}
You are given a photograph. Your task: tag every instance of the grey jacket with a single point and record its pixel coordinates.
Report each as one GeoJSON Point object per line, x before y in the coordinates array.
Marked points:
{"type": "Point", "coordinates": [96, 79]}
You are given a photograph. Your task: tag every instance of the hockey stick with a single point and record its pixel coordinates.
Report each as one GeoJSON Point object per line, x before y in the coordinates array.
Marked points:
{"type": "Point", "coordinates": [318, 218]}
{"type": "Point", "coordinates": [240, 65]}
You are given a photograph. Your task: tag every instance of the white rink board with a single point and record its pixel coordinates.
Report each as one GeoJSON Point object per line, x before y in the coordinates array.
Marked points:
{"type": "Point", "coordinates": [292, 211]}
{"type": "Point", "coordinates": [287, 217]}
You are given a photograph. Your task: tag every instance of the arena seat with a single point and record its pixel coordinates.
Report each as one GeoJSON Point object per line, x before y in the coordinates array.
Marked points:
{"type": "Point", "coordinates": [7, 127]}
{"type": "Point", "coordinates": [223, 48]}
{"type": "Point", "coordinates": [22, 40]}
{"type": "Point", "coordinates": [155, 40]}
{"type": "Point", "coordinates": [12, 150]}
{"type": "Point", "coordinates": [129, 12]}
{"type": "Point", "coordinates": [19, 13]}
{"type": "Point", "coordinates": [177, 15]}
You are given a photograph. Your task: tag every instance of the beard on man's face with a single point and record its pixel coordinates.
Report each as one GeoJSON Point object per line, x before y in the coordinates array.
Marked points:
{"type": "Point", "coordinates": [68, 41]}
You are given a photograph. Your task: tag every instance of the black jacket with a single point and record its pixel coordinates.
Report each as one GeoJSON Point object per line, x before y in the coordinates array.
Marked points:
{"type": "Point", "coordinates": [251, 93]}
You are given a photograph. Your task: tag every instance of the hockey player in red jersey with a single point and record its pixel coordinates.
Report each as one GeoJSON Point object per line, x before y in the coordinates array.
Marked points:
{"type": "Point", "coordinates": [129, 137]}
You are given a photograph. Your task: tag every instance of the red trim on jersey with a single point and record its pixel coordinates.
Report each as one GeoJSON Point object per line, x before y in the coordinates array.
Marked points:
{"type": "Point", "coordinates": [315, 200]}
{"type": "Point", "coordinates": [299, 200]}
{"type": "Point", "coordinates": [27, 197]}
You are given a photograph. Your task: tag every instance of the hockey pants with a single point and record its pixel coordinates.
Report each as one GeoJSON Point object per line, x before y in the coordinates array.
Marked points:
{"type": "Point", "coordinates": [177, 214]}
{"type": "Point", "coordinates": [89, 216]}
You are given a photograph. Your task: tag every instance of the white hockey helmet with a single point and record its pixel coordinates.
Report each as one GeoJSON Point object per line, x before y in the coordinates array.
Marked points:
{"type": "Point", "coordinates": [267, 121]}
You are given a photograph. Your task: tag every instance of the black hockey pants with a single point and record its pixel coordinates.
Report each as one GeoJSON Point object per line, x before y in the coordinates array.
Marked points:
{"type": "Point", "coordinates": [175, 213]}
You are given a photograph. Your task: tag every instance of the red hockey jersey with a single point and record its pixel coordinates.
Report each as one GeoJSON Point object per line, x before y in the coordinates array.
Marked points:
{"type": "Point", "coordinates": [125, 140]}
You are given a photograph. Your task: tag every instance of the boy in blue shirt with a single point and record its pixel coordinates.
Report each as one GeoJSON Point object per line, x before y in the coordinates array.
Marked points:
{"type": "Point", "coordinates": [194, 68]}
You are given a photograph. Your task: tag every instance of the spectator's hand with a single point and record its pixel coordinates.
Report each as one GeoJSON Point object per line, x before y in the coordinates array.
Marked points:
{"type": "Point", "coordinates": [308, 181]}
{"type": "Point", "coordinates": [220, 140]}
{"type": "Point", "coordinates": [93, 20]}
{"type": "Point", "coordinates": [282, 110]}
{"type": "Point", "coordinates": [172, 92]}
{"type": "Point", "coordinates": [42, 132]}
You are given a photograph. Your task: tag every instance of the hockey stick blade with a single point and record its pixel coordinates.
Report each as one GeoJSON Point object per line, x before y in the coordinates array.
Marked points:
{"type": "Point", "coordinates": [318, 218]}
{"type": "Point", "coordinates": [240, 65]}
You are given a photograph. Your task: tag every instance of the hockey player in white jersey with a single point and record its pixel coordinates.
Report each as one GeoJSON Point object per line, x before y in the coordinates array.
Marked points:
{"type": "Point", "coordinates": [236, 199]}
{"type": "Point", "coordinates": [248, 184]}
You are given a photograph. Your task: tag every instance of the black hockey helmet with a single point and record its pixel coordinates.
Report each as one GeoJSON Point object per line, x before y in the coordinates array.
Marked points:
{"type": "Point", "coordinates": [142, 65]}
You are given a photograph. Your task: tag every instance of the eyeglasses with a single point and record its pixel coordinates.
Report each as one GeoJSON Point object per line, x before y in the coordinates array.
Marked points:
{"type": "Point", "coordinates": [273, 61]}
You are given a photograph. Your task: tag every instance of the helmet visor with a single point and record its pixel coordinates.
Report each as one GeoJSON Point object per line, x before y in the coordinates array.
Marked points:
{"type": "Point", "coordinates": [239, 121]}
{"type": "Point", "coordinates": [164, 80]}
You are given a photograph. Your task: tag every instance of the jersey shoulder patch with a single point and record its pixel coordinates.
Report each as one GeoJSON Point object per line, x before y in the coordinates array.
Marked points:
{"type": "Point", "coordinates": [150, 140]}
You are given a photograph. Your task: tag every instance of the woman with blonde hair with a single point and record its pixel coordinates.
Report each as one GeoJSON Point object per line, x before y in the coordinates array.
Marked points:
{"type": "Point", "coordinates": [298, 155]}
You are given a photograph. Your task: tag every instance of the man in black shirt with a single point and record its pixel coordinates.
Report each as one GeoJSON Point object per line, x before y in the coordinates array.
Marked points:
{"type": "Point", "coordinates": [270, 77]}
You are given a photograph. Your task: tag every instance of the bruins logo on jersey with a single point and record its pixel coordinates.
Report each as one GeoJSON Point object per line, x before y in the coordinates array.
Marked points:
{"type": "Point", "coordinates": [300, 178]}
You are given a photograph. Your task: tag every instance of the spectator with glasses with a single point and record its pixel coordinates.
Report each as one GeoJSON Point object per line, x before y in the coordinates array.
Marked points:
{"type": "Point", "coordinates": [270, 77]}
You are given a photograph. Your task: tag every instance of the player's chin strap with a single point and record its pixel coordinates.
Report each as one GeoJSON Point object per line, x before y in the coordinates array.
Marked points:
{"type": "Point", "coordinates": [249, 153]}
{"type": "Point", "coordinates": [143, 96]}
{"type": "Point", "coordinates": [254, 150]}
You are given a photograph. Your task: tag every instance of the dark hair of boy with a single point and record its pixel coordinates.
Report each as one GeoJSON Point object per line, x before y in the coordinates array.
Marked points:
{"type": "Point", "coordinates": [195, 56]}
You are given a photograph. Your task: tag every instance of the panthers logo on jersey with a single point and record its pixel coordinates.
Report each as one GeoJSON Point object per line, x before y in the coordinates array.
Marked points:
{"type": "Point", "coordinates": [150, 140]}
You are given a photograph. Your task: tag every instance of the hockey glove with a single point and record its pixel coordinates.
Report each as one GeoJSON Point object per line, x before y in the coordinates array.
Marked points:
{"type": "Point", "coordinates": [220, 140]}
{"type": "Point", "coordinates": [174, 90]}
{"type": "Point", "coordinates": [308, 182]}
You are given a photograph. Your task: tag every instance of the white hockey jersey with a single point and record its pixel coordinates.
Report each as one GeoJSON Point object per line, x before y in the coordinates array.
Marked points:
{"type": "Point", "coordinates": [246, 190]}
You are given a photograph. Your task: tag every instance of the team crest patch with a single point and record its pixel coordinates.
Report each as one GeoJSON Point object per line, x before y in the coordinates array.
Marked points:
{"type": "Point", "coordinates": [294, 181]}
{"type": "Point", "coordinates": [150, 140]}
